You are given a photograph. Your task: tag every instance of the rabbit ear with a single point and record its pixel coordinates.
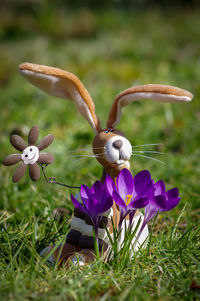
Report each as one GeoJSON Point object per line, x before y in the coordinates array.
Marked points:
{"type": "Point", "coordinates": [62, 84]}
{"type": "Point", "coordinates": [160, 93]}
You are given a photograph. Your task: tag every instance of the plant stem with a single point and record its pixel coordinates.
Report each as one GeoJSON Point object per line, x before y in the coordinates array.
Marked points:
{"type": "Point", "coordinates": [119, 240]}
{"type": "Point", "coordinates": [139, 233]}
{"type": "Point", "coordinates": [96, 243]}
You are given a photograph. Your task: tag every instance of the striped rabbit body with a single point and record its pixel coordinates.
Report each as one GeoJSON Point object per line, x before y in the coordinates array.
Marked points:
{"type": "Point", "coordinates": [81, 230]}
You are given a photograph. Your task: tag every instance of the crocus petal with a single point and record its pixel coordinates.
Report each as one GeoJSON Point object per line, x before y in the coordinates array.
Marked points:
{"type": "Point", "coordinates": [104, 206]}
{"type": "Point", "coordinates": [154, 205]}
{"type": "Point", "coordinates": [172, 204]}
{"type": "Point", "coordinates": [12, 159]}
{"type": "Point", "coordinates": [88, 198]}
{"type": "Point", "coordinates": [159, 187]}
{"type": "Point", "coordinates": [104, 196]}
{"type": "Point", "coordinates": [93, 206]}
{"type": "Point", "coordinates": [92, 190]}
{"type": "Point", "coordinates": [117, 198]}
{"type": "Point", "coordinates": [143, 182]}
{"type": "Point", "coordinates": [33, 135]}
{"type": "Point", "coordinates": [34, 172]}
{"type": "Point", "coordinates": [84, 191]}
{"type": "Point", "coordinates": [167, 201]}
{"type": "Point", "coordinates": [18, 142]}
{"type": "Point", "coordinates": [138, 203]}
{"type": "Point", "coordinates": [78, 205]}
{"type": "Point", "coordinates": [124, 183]}
{"type": "Point", "coordinates": [149, 213]}
{"type": "Point", "coordinates": [172, 199]}
{"type": "Point", "coordinates": [45, 142]}
{"type": "Point", "coordinates": [131, 216]}
{"type": "Point", "coordinates": [173, 193]}
{"type": "Point", "coordinates": [85, 194]}
{"type": "Point", "coordinates": [98, 189]}
{"type": "Point", "coordinates": [19, 172]}
{"type": "Point", "coordinates": [109, 184]}
{"type": "Point", "coordinates": [159, 202]}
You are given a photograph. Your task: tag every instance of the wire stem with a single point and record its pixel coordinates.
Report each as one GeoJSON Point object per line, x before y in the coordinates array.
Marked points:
{"type": "Point", "coordinates": [52, 180]}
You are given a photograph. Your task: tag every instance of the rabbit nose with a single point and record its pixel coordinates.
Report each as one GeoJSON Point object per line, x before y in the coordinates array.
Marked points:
{"type": "Point", "coordinates": [117, 144]}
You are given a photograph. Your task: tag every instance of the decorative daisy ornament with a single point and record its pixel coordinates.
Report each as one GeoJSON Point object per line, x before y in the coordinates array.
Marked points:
{"type": "Point", "coordinates": [30, 154]}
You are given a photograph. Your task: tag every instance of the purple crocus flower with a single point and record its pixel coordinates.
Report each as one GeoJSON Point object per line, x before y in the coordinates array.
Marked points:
{"type": "Point", "coordinates": [130, 193]}
{"type": "Point", "coordinates": [161, 201]}
{"type": "Point", "coordinates": [96, 200]}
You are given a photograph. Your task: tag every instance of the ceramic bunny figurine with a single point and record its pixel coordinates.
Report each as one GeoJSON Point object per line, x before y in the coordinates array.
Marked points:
{"type": "Point", "coordinates": [113, 145]}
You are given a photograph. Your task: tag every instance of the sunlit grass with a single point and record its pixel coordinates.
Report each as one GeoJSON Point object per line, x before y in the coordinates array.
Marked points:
{"type": "Point", "coordinates": [115, 51]}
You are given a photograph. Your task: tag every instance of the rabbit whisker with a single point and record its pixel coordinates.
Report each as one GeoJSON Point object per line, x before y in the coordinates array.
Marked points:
{"type": "Point", "coordinates": [91, 148]}
{"type": "Point", "coordinates": [151, 144]}
{"type": "Point", "coordinates": [78, 159]}
{"type": "Point", "coordinates": [98, 147]}
{"type": "Point", "coordinates": [159, 161]}
{"type": "Point", "coordinates": [100, 155]}
{"type": "Point", "coordinates": [87, 156]}
{"type": "Point", "coordinates": [77, 150]}
{"type": "Point", "coordinates": [152, 152]}
{"type": "Point", "coordinates": [85, 150]}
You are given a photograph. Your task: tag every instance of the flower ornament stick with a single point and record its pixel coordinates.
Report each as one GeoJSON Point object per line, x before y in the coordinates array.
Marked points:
{"type": "Point", "coordinates": [52, 180]}
{"type": "Point", "coordinates": [30, 154]}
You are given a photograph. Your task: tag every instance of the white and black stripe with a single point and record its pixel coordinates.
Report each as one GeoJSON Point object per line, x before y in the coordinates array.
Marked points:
{"type": "Point", "coordinates": [81, 230]}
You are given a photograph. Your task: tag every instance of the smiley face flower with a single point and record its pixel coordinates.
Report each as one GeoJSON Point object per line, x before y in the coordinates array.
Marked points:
{"type": "Point", "coordinates": [30, 154]}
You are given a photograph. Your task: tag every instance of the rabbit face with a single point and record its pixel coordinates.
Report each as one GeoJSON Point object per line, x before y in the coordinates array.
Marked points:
{"type": "Point", "coordinates": [30, 155]}
{"type": "Point", "coordinates": [112, 149]}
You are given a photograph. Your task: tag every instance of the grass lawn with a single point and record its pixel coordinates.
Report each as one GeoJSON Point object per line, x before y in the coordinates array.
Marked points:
{"type": "Point", "coordinates": [109, 51]}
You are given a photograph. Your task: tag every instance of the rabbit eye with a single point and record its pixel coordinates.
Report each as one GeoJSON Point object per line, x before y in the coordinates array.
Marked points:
{"type": "Point", "coordinates": [31, 149]}
{"type": "Point", "coordinates": [108, 131]}
{"type": "Point", "coordinates": [26, 156]}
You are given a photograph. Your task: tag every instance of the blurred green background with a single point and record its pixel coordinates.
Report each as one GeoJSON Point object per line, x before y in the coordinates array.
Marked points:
{"type": "Point", "coordinates": [110, 46]}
